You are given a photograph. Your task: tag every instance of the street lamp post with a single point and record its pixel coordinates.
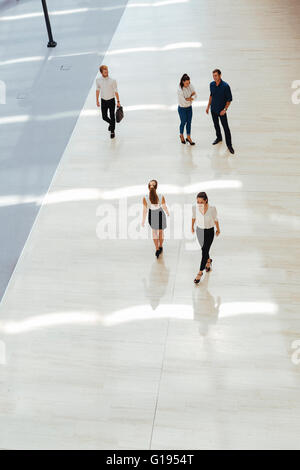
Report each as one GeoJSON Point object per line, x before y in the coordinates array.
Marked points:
{"type": "Point", "coordinates": [51, 42]}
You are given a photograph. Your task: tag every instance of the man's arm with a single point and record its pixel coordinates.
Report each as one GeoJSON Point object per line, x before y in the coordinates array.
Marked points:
{"type": "Point", "coordinates": [225, 109]}
{"type": "Point", "coordinates": [228, 97]}
{"type": "Point", "coordinates": [208, 104]}
{"type": "Point", "coordinates": [118, 99]}
{"type": "Point", "coordinates": [97, 97]}
{"type": "Point", "coordinates": [116, 93]}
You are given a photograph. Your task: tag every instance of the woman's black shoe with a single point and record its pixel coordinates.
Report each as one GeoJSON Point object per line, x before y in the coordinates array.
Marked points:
{"type": "Point", "coordinates": [182, 141]}
{"type": "Point", "coordinates": [216, 141]}
{"type": "Point", "coordinates": [207, 269]}
{"type": "Point", "coordinates": [157, 253]}
{"type": "Point", "coordinates": [160, 249]}
{"type": "Point", "coordinates": [196, 281]}
{"type": "Point", "coordinates": [190, 142]}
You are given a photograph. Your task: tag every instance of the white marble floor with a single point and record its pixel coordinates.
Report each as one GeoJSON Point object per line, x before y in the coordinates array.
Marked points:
{"type": "Point", "coordinates": [104, 347]}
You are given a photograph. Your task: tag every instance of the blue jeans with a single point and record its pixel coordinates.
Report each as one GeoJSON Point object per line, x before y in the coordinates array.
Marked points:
{"type": "Point", "coordinates": [185, 115]}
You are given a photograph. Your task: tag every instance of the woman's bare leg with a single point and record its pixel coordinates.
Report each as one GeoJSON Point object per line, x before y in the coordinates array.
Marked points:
{"type": "Point", "coordinates": [155, 239]}
{"type": "Point", "coordinates": [161, 237]}
{"type": "Point", "coordinates": [199, 275]}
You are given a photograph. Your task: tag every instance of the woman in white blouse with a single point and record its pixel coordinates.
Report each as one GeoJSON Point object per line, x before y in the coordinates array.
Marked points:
{"type": "Point", "coordinates": [155, 205]}
{"type": "Point", "coordinates": [206, 218]}
{"type": "Point", "coordinates": [186, 95]}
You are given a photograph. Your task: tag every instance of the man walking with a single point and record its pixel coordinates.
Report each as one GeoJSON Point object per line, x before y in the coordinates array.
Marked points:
{"type": "Point", "coordinates": [108, 89]}
{"type": "Point", "coordinates": [219, 102]}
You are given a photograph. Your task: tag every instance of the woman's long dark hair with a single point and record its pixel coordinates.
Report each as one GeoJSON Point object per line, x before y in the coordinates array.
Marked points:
{"type": "Point", "coordinates": [183, 79]}
{"type": "Point", "coordinates": [152, 185]}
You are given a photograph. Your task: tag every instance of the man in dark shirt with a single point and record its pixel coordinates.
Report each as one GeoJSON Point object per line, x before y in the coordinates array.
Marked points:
{"type": "Point", "coordinates": [219, 101]}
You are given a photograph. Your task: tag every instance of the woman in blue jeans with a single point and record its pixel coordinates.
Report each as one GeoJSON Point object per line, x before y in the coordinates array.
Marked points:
{"type": "Point", "coordinates": [186, 95]}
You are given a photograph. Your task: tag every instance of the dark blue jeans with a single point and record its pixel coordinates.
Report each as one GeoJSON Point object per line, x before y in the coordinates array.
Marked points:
{"type": "Point", "coordinates": [223, 119]}
{"type": "Point", "coordinates": [185, 115]}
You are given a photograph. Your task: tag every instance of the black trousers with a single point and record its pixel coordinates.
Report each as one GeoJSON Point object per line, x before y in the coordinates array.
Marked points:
{"type": "Point", "coordinates": [224, 122]}
{"type": "Point", "coordinates": [205, 238]}
{"type": "Point", "coordinates": [111, 106]}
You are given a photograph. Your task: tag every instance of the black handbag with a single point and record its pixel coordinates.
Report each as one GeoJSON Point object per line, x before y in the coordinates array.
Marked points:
{"type": "Point", "coordinates": [119, 114]}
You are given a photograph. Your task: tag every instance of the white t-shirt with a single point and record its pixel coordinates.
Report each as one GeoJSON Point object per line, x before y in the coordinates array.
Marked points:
{"type": "Point", "coordinates": [107, 86]}
{"type": "Point", "coordinates": [154, 206]}
{"type": "Point", "coordinates": [208, 219]}
{"type": "Point", "coordinates": [185, 92]}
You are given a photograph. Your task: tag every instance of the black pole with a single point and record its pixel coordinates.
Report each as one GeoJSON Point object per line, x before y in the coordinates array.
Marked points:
{"type": "Point", "coordinates": [51, 42]}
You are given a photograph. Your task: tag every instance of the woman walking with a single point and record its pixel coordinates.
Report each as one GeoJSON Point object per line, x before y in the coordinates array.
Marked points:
{"type": "Point", "coordinates": [155, 205]}
{"type": "Point", "coordinates": [186, 95]}
{"type": "Point", "coordinates": [206, 218]}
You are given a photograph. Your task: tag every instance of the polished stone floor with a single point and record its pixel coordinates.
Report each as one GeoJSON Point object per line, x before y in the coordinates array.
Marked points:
{"type": "Point", "coordinates": [103, 346]}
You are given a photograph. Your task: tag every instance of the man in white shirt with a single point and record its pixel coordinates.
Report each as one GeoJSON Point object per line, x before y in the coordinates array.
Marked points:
{"type": "Point", "coordinates": [107, 88]}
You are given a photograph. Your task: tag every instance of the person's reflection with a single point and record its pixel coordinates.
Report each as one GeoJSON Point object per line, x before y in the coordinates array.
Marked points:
{"type": "Point", "coordinates": [187, 161]}
{"type": "Point", "coordinates": [157, 283]}
{"type": "Point", "coordinates": [206, 308]}
{"type": "Point", "coordinates": [220, 163]}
